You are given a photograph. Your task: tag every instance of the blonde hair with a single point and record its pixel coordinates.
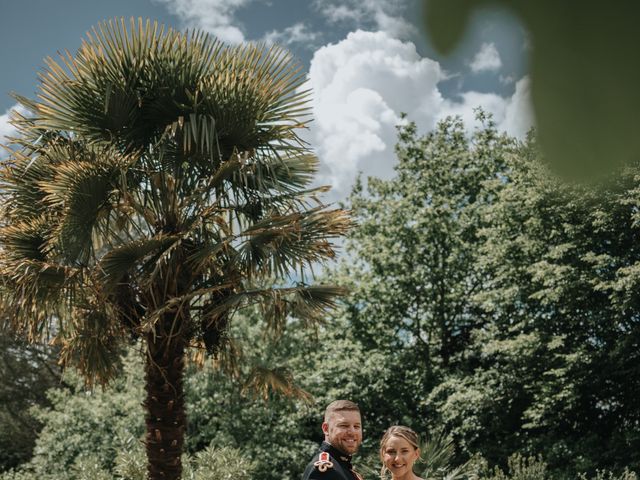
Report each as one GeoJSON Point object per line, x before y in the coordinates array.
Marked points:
{"type": "Point", "coordinates": [340, 406]}
{"type": "Point", "coordinates": [397, 431]}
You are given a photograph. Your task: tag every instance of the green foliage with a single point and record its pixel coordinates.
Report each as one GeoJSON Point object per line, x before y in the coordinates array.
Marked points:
{"type": "Point", "coordinates": [90, 427]}
{"type": "Point", "coordinates": [541, 359]}
{"type": "Point", "coordinates": [438, 457]}
{"type": "Point", "coordinates": [504, 297]}
{"type": "Point", "coordinates": [219, 464]}
{"type": "Point", "coordinates": [208, 464]}
{"type": "Point", "coordinates": [521, 468]}
{"type": "Point", "coordinates": [27, 371]}
{"type": "Point", "coordinates": [553, 372]}
{"type": "Point", "coordinates": [534, 468]}
{"type": "Point", "coordinates": [414, 262]}
{"type": "Point", "coordinates": [582, 79]}
{"type": "Point", "coordinates": [603, 475]}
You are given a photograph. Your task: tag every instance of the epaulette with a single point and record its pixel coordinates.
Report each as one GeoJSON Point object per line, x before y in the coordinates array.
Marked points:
{"type": "Point", "coordinates": [324, 462]}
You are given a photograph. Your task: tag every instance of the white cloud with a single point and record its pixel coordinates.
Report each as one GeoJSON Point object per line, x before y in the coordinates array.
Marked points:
{"type": "Point", "coordinates": [465, 104]}
{"type": "Point", "coordinates": [379, 15]}
{"type": "Point", "coordinates": [298, 33]}
{"type": "Point", "coordinates": [213, 16]}
{"type": "Point", "coordinates": [339, 13]}
{"type": "Point", "coordinates": [487, 59]}
{"type": "Point", "coordinates": [363, 83]}
{"type": "Point", "coordinates": [513, 115]}
{"type": "Point", "coordinates": [518, 117]}
{"type": "Point", "coordinates": [506, 79]}
{"type": "Point", "coordinates": [360, 86]}
{"type": "Point", "coordinates": [6, 129]}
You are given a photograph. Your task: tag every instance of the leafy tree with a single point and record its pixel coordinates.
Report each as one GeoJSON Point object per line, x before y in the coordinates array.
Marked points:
{"type": "Point", "coordinates": [556, 373]}
{"type": "Point", "coordinates": [27, 371]}
{"type": "Point", "coordinates": [90, 426]}
{"type": "Point", "coordinates": [158, 181]}
{"type": "Point", "coordinates": [416, 246]}
{"type": "Point", "coordinates": [539, 282]}
{"type": "Point", "coordinates": [415, 255]}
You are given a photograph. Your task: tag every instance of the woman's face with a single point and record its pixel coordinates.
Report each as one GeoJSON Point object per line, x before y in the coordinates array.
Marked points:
{"type": "Point", "coordinates": [399, 456]}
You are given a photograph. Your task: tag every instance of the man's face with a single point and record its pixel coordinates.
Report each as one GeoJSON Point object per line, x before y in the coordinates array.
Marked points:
{"type": "Point", "coordinates": [343, 430]}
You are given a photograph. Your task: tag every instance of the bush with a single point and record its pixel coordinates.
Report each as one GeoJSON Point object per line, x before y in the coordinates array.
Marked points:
{"type": "Point", "coordinates": [208, 464]}
{"type": "Point", "coordinates": [521, 468]}
{"type": "Point", "coordinates": [604, 475]}
{"type": "Point", "coordinates": [534, 468]}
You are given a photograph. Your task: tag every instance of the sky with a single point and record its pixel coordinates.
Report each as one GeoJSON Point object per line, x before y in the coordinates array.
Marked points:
{"type": "Point", "coordinates": [367, 61]}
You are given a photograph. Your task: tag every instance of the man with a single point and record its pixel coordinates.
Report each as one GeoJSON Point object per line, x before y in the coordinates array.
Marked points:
{"type": "Point", "coordinates": [342, 428]}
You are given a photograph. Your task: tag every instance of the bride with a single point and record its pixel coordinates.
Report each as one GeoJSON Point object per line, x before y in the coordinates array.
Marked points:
{"type": "Point", "coordinates": [399, 449]}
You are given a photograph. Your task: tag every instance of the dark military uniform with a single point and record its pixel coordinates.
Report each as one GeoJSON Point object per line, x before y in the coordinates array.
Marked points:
{"type": "Point", "coordinates": [329, 463]}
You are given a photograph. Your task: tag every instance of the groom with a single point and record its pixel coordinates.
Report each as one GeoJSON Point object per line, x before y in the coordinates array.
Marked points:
{"type": "Point", "coordinates": [342, 428]}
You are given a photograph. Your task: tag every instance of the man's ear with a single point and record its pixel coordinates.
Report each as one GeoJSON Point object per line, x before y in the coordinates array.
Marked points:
{"type": "Point", "coordinates": [325, 428]}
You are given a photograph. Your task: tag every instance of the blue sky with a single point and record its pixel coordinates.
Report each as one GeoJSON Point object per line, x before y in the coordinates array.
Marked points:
{"type": "Point", "coordinates": [366, 60]}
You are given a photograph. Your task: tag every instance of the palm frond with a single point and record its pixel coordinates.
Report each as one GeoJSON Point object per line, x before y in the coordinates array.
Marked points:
{"type": "Point", "coordinates": [284, 243]}
{"type": "Point", "coordinates": [229, 357]}
{"type": "Point", "coordinates": [92, 345]}
{"type": "Point", "coordinates": [309, 303]}
{"type": "Point", "coordinates": [437, 453]}
{"type": "Point", "coordinates": [36, 293]}
{"type": "Point", "coordinates": [128, 83]}
{"type": "Point", "coordinates": [25, 240]}
{"type": "Point", "coordinates": [273, 175]}
{"type": "Point", "coordinates": [21, 176]}
{"type": "Point", "coordinates": [119, 261]}
{"type": "Point", "coordinates": [79, 191]}
{"type": "Point", "coordinates": [263, 382]}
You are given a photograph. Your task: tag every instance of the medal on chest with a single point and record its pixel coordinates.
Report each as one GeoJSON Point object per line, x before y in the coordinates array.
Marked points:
{"type": "Point", "coordinates": [324, 462]}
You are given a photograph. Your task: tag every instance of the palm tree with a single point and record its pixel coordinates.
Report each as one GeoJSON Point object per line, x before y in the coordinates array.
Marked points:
{"type": "Point", "coordinates": [157, 184]}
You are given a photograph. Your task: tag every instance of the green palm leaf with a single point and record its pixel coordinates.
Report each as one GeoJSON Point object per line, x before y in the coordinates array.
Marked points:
{"type": "Point", "coordinates": [263, 381]}
{"type": "Point", "coordinates": [283, 243]}
{"type": "Point", "coordinates": [116, 263]}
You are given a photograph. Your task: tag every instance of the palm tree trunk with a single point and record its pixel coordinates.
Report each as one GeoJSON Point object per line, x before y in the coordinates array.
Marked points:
{"type": "Point", "coordinates": [164, 405]}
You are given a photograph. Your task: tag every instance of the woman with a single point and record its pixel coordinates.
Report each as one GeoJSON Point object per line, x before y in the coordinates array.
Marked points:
{"type": "Point", "coordinates": [399, 450]}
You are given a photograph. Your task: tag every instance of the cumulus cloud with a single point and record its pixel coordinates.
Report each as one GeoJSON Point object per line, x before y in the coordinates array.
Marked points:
{"type": "Point", "coordinates": [513, 115]}
{"type": "Point", "coordinates": [214, 16]}
{"type": "Point", "coordinates": [486, 60]}
{"type": "Point", "coordinates": [360, 87]}
{"type": "Point", "coordinates": [298, 33]}
{"type": "Point", "coordinates": [369, 14]}
{"type": "Point", "coordinates": [518, 115]}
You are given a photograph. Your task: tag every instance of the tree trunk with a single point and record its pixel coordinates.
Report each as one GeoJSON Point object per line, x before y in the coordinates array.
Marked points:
{"type": "Point", "coordinates": [164, 405]}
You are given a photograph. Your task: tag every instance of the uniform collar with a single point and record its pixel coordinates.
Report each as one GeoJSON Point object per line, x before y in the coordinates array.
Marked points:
{"type": "Point", "coordinates": [335, 453]}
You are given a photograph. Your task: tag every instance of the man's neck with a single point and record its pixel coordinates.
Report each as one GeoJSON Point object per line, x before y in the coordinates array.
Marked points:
{"type": "Point", "coordinates": [338, 450]}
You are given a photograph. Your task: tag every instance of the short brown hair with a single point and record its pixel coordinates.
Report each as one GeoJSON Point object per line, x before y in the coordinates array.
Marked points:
{"type": "Point", "coordinates": [340, 406]}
